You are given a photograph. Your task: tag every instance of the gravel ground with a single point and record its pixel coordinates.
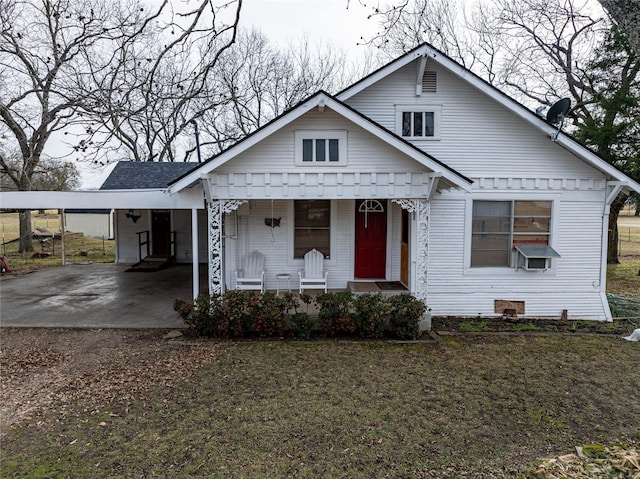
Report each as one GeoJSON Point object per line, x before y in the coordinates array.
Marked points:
{"type": "Point", "coordinates": [46, 369]}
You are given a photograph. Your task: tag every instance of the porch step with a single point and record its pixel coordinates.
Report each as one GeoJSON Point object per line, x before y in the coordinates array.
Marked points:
{"type": "Point", "coordinates": [150, 264]}
{"type": "Point", "coordinates": [386, 288]}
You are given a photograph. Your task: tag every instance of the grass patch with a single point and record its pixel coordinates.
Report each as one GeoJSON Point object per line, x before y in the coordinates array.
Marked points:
{"type": "Point", "coordinates": [623, 279]}
{"type": "Point", "coordinates": [628, 236]}
{"type": "Point", "coordinates": [526, 327]}
{"type": "Point", "coordinates": [541, 325]}
{"type": "Point", "coordinates": [473, 326]}
{"type": "Point", "coordinates": [465, 407]}
{"type": "Point", "coordinates": [77, 248]}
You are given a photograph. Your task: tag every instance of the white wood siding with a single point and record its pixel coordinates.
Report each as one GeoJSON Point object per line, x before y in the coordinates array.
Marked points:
{"type": "Point", "coordinates": [395, 225]}
{"type": "Point", "coordinates": [479, 138]}
{"type": "Point", "coordinates": [507, 158]}
{"type": "Point", "coordinates": [373, 168]}
{"type": "Point", "coordinates": [95, 225]}
{"type": "Point", "coordinates": [127, 239]}
{"type": "Point", "coordinates": [571, 284]}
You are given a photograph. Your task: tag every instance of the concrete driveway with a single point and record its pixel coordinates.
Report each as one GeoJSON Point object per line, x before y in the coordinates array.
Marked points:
{"type": "Point", "coordinates": [95, 296]}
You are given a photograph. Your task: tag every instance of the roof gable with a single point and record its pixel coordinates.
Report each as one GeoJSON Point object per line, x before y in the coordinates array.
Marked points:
{"type": "Point", "coordinates": [426, 52]}
{"type": "Point", "coordinates": [323, 100]}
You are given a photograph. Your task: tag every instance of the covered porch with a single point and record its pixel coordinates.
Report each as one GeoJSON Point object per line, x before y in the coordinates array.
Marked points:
{"type": "Point", "coordinates": [377, 244]}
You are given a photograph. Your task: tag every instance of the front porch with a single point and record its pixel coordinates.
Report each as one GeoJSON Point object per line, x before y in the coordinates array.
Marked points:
{"type": "Point", "coordinates": [284, 229]}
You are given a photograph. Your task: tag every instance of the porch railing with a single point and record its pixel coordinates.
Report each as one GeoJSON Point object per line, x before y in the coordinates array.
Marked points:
{"type": "Point", "coordinates": [172, 246]}
{"type": "Point", "coordinates": [143, 242]}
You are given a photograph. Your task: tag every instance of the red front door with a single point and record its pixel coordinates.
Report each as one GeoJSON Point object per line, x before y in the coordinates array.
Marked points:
{"type": "Point", "coordinates": [371, 239]}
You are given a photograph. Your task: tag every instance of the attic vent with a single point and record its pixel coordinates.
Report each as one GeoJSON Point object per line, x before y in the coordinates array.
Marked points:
{"type": "Point", "coordinates": [429, 82]}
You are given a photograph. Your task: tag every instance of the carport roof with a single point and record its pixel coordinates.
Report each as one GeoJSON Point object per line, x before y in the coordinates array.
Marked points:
{"type": "Point", "coordinates": [135, 175]}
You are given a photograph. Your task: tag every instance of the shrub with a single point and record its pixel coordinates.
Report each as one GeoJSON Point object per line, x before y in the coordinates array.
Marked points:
{"type": "Point", "coordinates": [238, 314]}
{"type": "Point", "coordinates": [203, 317]}
{"type": "Point", "coordinates": [406, 312]}
{"type": "Point", "coordinates": [268, 315]}
{"type": "Point", "coordinates": [370, 315]}
{"type": "Point", "coordinates": [335, 313]}
{"type": "Point", "coordinates": [238, 308]}
{"type": "Point", "coordinates": [300, 325]}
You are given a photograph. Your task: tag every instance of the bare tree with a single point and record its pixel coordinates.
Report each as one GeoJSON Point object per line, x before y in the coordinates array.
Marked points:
{"type": "Point", "coordinates": [157, 83]}
{"type": "Point", "coordinates": [396, 14]}
{"type": "Point", "coordinates": [50, 175]}
{"type": "Point", "coordinates": [261, 81]}
{"type": "Point", "coordinates": [106, 66]}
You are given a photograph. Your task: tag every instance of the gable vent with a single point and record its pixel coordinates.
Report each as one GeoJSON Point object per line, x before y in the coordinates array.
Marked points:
{"type": "Point", "coordinates": [429, 82]}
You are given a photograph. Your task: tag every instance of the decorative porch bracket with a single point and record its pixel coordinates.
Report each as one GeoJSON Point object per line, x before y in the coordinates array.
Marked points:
{"type": "Point", "coordinates": [217, 210]}
{"type": "Point", "coordinates": [420, 209]}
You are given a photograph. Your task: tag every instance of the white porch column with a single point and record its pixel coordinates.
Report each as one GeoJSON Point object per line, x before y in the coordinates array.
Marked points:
{"type": "Point", "coordinates": [194, 249]}
{"type": "Point", "coordinates": [217, 209]}
{"type": "Point", "coordinates": [422, 254]}
{"type": "Point", "coordinates": [419, 208]}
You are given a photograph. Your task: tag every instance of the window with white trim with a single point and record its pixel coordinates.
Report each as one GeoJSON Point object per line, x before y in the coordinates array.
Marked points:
{"type": "Point", "coordinates": [499, 227]}
{"type": "Point", "coordinates": [312, 227]}
{"type": "Point", "coordinates": [419, 122]}
{"type": "Point", "coordinates": [321, 147]}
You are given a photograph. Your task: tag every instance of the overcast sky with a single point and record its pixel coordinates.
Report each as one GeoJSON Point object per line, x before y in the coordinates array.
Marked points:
{"type": "Point", "coordinates": [286, 21]}
{"type": "Point", "coordinates": [289, 22]}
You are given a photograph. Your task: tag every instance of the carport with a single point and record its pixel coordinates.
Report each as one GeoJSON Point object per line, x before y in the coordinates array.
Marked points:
{"type": "Point", "coordinates": [142, 199]}
{"type": "Point", "coordinates": [95, 296]}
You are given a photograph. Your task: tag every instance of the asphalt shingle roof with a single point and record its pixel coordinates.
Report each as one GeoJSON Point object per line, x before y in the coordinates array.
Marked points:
{"type": "Point", "coordinates": [132, 175]}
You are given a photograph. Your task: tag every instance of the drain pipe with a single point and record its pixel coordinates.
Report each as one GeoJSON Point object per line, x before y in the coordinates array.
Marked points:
{"type": "Point", "coordinates": [612, 191]}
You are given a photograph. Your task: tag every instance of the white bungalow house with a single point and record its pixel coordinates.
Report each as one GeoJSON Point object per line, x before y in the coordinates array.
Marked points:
{"type": "Point", "coordinates": [420, 173]}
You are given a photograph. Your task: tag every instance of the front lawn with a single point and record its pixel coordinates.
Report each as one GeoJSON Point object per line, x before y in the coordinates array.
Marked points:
{"type": "Point", "coordinates": [465, 406]}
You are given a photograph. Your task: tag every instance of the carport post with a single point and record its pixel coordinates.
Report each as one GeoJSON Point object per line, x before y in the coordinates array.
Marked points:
{"type": "Point", "coordinates": [61, 234]}
{"type": "Point", "coordinates": [194, 248]}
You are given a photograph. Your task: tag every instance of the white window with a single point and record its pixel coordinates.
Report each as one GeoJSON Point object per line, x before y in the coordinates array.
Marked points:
{"type": "Point", "coordinates": [312, 227]}
{"type": "Point", "coordinates": [501, 227]}
{"type": "Point", "coordinates": [419, 122]}
{"type": "Point", "coordinates": [321, 147]}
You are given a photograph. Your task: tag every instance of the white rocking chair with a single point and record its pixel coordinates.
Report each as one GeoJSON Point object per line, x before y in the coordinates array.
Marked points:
{"type": "Point", "coordinates": [252, 276]}
{"type": "Point", "coordinates": [314, 276]}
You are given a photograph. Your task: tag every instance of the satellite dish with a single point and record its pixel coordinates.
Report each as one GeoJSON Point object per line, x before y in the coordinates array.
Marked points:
{"type": "Point", "coordinates": [557, 114]}
{"type": "Point", "coordinates": [558, 111]}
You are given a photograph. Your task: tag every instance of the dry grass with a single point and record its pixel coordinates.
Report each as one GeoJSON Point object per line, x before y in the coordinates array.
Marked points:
{"type": "Point", "coordinates": [593, 461]}
{"type": "Point", "coordinates": [465, 407]}
{"type": "Point", "coordinates": [629, 237]}
{"type": "Point", "coordinates": [77, 248]}
{"type": "Point", "coordinates": [624, 279]}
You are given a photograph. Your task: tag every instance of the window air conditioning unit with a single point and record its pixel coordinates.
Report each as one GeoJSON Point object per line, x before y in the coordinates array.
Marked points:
{"type": "Point", "coordinates": [535, 257]}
